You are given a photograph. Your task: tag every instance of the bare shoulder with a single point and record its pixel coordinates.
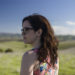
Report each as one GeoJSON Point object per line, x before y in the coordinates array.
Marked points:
{"type": "Point", "coordinates": [29, 56]}
{"type": "Point", "coordinates": [27, 63]}
{"type": "Point", "coordinates": [29, 53]}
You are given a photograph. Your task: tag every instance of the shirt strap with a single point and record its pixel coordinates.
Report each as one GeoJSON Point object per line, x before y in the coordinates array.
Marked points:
{"type": "Point", "coordinates": [35, 50]}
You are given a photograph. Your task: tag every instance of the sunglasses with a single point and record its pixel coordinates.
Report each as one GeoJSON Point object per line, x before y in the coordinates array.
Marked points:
{"type": "Point", "coordinates": [25, 30]}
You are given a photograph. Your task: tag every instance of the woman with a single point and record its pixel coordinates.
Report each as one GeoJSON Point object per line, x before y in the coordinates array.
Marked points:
{"type": "Point", "coordinates": [42, 59]}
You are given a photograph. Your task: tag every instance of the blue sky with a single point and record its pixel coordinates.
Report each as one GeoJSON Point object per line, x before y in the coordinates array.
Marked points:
{"type": "Point", "coordinates": [60, 13]}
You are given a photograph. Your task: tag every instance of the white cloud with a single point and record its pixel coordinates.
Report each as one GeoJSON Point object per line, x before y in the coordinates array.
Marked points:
{"type": "Point", "coordinates": [64, 30]}
{"type": "Point", "coordinates": [70, 23]}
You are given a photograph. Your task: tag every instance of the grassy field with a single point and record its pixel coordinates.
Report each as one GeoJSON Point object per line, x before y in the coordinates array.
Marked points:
{"type": "Point", "coordinates": [66, 44]}
{"type": "Point", "coordinates": [67, 61]}
{"type": "Point", "coordinates": [14, 45]}
{"type": "Point", "coordinates": [10, 62]}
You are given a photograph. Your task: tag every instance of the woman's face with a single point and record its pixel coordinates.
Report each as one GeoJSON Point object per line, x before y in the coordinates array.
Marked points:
{"type": "Point", "coordinates": [29, 35]}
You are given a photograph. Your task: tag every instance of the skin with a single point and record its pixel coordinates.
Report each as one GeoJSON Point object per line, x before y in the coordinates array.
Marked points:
{"type": "Point", "coordinates": [30, 60]}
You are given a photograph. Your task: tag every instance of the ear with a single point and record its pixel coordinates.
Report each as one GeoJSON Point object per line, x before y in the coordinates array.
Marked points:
{"type": "Point", "coordinates": [39, 32]}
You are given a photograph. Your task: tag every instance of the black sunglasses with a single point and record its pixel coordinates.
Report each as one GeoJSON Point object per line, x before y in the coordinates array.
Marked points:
{"type": "Point", "coordinates": [24, 30]}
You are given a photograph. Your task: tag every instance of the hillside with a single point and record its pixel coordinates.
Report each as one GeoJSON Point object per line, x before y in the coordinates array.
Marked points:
{"type": "Point", "coordinates": [11, 36]}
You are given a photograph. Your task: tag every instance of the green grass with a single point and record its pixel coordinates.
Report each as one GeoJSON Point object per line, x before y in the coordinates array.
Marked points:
{"type": "Point", "coordinates": [67, 64]}
{"type": "Point", "coordinates": [20, 46]}
{"type": "Point", "coordinates": [14, 45]}
{"type": "Point", "coordinates": [66, 44]}
{"type": "Point", "coordinates": [10, 62]}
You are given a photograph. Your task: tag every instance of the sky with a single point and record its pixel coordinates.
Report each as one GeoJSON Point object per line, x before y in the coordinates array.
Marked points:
{"type": "Point", "coordinates": [60, 13]}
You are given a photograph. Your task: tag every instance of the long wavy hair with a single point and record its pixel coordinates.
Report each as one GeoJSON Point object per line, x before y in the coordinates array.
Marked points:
{"type": "Point", "coordinates": [49, 42]}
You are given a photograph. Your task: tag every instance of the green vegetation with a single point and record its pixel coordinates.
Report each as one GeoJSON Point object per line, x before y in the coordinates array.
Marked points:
{"type": "Point", "coordinates": [20, 46]}
{"type": "Point", "coordinates": [67, 64]}
{"type": "Point", "coordinates": [66, 44]}
{"type": "Point", "coordinates": [8, 50]}
{"type": "Point", "coordinates": [1, 50]}
{"type": "Point", "coordinates": [10, 62]}
{"type": "Point", "coordinates": [65, 37]}
{"type": "Point", "coordinates": [10, 36]}
{"type": "Point", "coordinates": [14, 45]}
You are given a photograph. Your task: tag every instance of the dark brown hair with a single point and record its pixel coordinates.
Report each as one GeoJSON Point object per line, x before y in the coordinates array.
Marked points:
{"type": "Point", "coordinates": [49, 42]}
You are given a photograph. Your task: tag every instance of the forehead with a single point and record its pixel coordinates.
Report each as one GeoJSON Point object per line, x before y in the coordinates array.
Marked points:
{"type": "Point", "coordinates": [26, 24]}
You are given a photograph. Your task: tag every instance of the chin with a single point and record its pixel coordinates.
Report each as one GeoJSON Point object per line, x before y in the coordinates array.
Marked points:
{"type": "Point", "coordinates": [26, 42]}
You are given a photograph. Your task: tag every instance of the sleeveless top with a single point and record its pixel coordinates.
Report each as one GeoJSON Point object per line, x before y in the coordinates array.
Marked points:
{"type": "Point", "coordinates": [44, 68]}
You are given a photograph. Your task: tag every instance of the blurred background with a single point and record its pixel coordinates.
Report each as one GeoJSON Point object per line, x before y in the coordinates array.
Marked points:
{"type": "Point", "coordinates": [60, 14]}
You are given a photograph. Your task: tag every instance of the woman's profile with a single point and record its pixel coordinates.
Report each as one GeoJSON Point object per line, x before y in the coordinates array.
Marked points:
{"type": "Point", "coordinates": [42, 59]}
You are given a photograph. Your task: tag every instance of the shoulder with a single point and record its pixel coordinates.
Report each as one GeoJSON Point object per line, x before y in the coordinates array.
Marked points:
{"type": "Point", "coordinates": [28, 56]}
{"type": "Point", "coordinates": [28, 61]}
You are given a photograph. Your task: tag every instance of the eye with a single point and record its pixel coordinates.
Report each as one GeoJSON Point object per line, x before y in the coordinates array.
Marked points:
{"type": "Point", "coordinates": [27, 29]}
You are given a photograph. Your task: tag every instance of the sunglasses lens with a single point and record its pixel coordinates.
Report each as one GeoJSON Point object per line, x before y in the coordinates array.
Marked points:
{"type": "Point", "coordinates": [25, 30]}
{"type": "Point", "coordinates": [23, 33]}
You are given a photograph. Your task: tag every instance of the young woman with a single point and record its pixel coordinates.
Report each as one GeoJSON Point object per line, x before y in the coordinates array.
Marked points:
{"type": "Point", "coordinates": [42, 59]}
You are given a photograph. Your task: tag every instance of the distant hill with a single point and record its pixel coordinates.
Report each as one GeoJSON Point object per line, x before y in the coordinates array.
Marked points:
{"type": "Point", "coordinates": [65, 37]}
{"type": "Point", "coordinates": [10, 36]}
{"type": "Point", "coordinates": [18, 37]}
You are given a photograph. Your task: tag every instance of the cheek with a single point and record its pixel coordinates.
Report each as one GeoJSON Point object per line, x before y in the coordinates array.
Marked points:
{"type": "Point", "coordinates": [33, 37]}
{"type": "Point", "coordinates": [30, 36]}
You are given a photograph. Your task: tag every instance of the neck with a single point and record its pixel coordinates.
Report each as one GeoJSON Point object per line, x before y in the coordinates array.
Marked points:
{"type": "Point", "coordinates": [36, 44]}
